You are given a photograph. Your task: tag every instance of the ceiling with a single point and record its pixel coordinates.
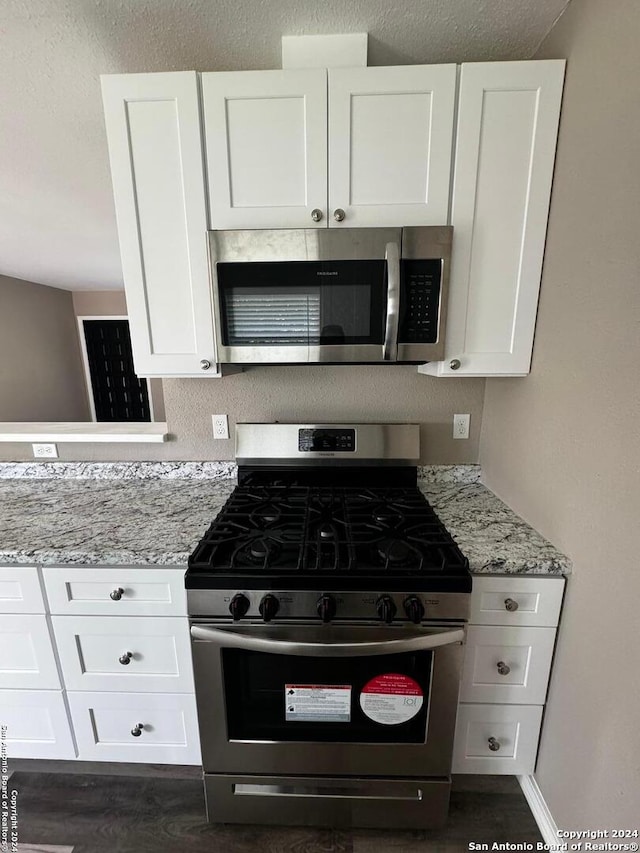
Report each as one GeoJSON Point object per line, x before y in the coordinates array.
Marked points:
{"type": "Point", "coordinates": [57, 221]}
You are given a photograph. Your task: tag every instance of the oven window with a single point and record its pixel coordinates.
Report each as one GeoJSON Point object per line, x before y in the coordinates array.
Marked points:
{"type": "Point", "coordinates": [302, 302]}
{"type": "Point", "coordinates": [256, 703]}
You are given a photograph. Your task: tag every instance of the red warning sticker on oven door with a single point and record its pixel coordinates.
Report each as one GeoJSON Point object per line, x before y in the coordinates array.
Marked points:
{"type": "Point", "coordinates": [391, 699]}
{"type": "Point", "coordinates": [317, 703]}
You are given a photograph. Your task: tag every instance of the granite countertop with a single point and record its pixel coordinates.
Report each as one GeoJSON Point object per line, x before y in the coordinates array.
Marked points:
{"type": "Point", "coordinates": [154, 514]}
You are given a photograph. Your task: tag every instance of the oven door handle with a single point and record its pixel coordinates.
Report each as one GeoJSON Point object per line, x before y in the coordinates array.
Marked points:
{"type": "Point", "coordinates": [390, 345]}
{"type": "Point", "coordinates": [413, 643]}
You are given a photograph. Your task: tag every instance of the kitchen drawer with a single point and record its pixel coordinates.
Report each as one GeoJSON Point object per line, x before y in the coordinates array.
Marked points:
{"type": "Point", "coordinates": [104, 724]}
{"type": "Point", "coordinates": [20, 590]}
{"type": "Point", "coordinates": [122, 653]}
{"type": "Point", "coordinates": [27, 660]}
{"type": "Point", "coordinates": [509, 665]}
{"type": "Point", "coordinates": [116, 592]}
{"type": "Point", "coordinates": [513, 729]}
{"type": "Point", "coordinates": [37, 724]}
{"type": "Point", "coordinates": [516, 601]}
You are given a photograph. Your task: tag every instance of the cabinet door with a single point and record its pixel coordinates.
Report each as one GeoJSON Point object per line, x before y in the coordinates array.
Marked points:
{"type": "Point", "coordinates": [27, 660]}
{"type": "Point", "coordinates": [266, 140]}
{"type": "Point", "coordinates": [496, 739]}
{"type": "Point", "coordinates": [20, 590]}
{"type": "Point", "coordinates": [390, 135]}
{"type": "Point", "coordinates": [120, 653]}
{"type": "Point", "coordinates": [155, 148]}
{"type": "Point", "coordinates": [508, 115]}
{"type": "Point", "coordinates": [37, 724]}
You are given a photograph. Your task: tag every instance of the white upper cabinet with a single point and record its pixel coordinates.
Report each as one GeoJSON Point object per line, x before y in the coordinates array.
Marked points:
{"type": "Point", "coordinates": [390, 138]}
{"type": "Point", "coordinates": [155, 148]}
{"type": "Point", "coordinates": [508, 115]}
{"type": "Point", "coordinates": [388, 160]}
{"type": "Point", "coordinates": [266, 140]}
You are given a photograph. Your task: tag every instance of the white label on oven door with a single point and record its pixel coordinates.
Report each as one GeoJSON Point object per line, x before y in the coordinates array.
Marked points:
{"type": "Point", "coordinates": [317, 703]}
{"type": "Point", "coordinates": [391, 699]}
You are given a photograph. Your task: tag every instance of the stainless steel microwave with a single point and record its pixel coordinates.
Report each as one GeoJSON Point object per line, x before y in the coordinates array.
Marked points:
{"type": "Point", "coordinates": [330, 295]}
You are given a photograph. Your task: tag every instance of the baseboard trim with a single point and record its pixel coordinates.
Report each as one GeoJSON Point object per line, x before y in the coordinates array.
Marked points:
{"type": "Point", "coordinates": [539, 809]}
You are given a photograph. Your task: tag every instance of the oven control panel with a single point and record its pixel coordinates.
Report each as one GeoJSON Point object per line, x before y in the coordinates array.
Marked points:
{"type": "Point", "coordinates": [327, 439]}
{"type": "Point", "coordinates": [327, 606]}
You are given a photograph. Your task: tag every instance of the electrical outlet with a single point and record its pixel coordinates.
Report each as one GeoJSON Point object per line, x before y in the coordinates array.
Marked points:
{"type": "Point", "coordinates": [45, 451]}
{"type": "Point", "coordinates": [220, 426]}
{"type": "Point", "coordinates": [461, 426]}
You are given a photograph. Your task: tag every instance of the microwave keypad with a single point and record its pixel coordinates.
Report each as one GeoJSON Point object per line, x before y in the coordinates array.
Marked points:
{"type": "Point", "coordinates": [420, 300]}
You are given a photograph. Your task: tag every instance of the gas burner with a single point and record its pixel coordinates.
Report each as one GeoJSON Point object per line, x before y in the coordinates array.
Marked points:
{"type": "Point", "coordinates": [327, 531]}
{"type": "Point", "coordinates": [269, 514]}
{"type": "Point", "coordinates": [258, 549]}
{"type": "Point", "coordinates": [398, 553]}
{"type": "Point", "coordinates": [387, 515]}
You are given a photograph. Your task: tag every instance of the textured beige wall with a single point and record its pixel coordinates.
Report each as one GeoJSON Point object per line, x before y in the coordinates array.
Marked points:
{"type": "Point", "coordinates": [562, 446]}
{"type": "Point", "coordinates": [41, 376]}
{"type": "Point", "coordinates": [99, 303]}
{"type": "Point", "coordinates": [347, 393]}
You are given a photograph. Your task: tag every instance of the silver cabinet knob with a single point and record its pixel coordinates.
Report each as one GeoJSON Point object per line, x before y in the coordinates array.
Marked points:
{"type": "Point", "coordinates": [510, 605]}
{"type": "Point", "coordinates": [494, 746]}
{"type": "Point", "coordinates": [125, 659]}
{"type": "Point", "coordinates": [136, 731]}
{"type": "Point", "coordinates": [205, 364]}
{"type": "Point", "coordinates": [503, 668]}
{"type": "Point", "coordinates": [339, 214]}
{"type": "Point", "coordinates": [454, 364]}
{"type": "Point", "coordinates": [316, 214]}
{"type": "Point", "coordinates": [116, 594]}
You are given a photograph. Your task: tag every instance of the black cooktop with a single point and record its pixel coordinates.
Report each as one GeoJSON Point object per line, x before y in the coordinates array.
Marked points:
{"type": "Point", "coordinates": [299, 536]}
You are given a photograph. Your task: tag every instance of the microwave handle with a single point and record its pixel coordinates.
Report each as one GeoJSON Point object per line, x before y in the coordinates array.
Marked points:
{"type": "Point", "coordinates": [390, 346]}
{"type": "Point", "coordinates": [411, 643]}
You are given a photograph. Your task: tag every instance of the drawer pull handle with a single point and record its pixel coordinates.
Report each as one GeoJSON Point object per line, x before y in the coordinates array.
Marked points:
{"type": "Point", "coordinates": [137, 730]}
{"type": "Point", "coordinates": [503, 668]}
{"type": "Point", "coordinates": [494, 746]}
{"type": "Point", "coordinates": [510, 605]}
{"type": "Point", "coordinates": [125, 659]}
{"type": "Point", "coordinates": [117, 594]}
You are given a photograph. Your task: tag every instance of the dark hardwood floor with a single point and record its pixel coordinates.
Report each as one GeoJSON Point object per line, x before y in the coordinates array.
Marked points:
{"type": "Point", "coordinates": [162, 810]}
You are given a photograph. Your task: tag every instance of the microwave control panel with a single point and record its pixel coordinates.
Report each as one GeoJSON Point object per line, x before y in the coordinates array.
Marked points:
{"type": "Point", "coordinates": [420, 301]}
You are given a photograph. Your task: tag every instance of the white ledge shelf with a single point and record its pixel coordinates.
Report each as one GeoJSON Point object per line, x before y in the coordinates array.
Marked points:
{"type": "Point", "coordinates": [85, 431]}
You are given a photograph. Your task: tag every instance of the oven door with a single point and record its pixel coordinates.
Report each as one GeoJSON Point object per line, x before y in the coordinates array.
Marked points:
{"type": "Point", "coordinates": [303, 296]}
{"type": "Point", "coordinates": [332, 699]}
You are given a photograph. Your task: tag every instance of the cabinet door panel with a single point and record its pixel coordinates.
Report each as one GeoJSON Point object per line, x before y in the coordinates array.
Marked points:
{"type": "Point", "coordinates": [390, 132]}
{"type": "Point", "coordinates": [266, 140]}
{"type": "Point", "coordinates": [167, 724]}
{"type": "Point", "coordinates": [37, 724]}
{"type": "Point", "coordinates": [155, 148]}
{"type": "Point", "coordinates": [156, 653]}
{"type": "Point", "coordinates": [508, 115]}
{"type": "Point", "coordinates": [507, 665]}
{"type": "Point", "coordinates": [27, 660]}
{"type": "Point", "coordinates": [20, 590]}
{"type": "Point", "coordinates": [516, 601]}
{"type": "Point", "coordinates": [512, 731]}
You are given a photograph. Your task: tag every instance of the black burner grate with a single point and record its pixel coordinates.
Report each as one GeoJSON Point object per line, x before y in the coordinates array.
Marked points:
{"type": "Point", "coordinates": [325, 530]}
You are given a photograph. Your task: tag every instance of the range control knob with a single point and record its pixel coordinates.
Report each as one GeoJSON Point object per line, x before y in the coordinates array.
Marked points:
{"type": "Point", "coordinates": [268, 607]}
{"type": "Point", "coordinates": [386, 608]}
{"type": "Point", "coordinates": [326, 607]}
{"type": "Point", "coordinates": [414, 609]}
{"type": "Point", "coordinates": [239, 606]}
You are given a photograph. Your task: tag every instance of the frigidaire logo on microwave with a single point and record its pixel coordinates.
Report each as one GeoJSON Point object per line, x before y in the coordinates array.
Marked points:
{"type": "Point", "coordinates": [326, 272]}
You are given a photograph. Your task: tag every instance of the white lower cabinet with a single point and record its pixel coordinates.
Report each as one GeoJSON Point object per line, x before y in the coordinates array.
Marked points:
{"type": "Point", "coordinates": [27, 659]}
{"type": "Point", "coordinates": [158, 728]}
{"type": "Point", "coordinates": [501, 739]}
{"type": "Point", "coordinates": [507, 665]}
{"type": "Point", "coordinates": [37, 724]}
{"type": "Point", "coordinates": [506, 673]}
{"type": "Point", "coordinates": [124, 653]}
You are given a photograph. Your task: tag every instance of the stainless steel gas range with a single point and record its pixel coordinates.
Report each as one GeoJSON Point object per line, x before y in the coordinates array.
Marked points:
{"type": "Point", "coordinates": [327, 605]}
